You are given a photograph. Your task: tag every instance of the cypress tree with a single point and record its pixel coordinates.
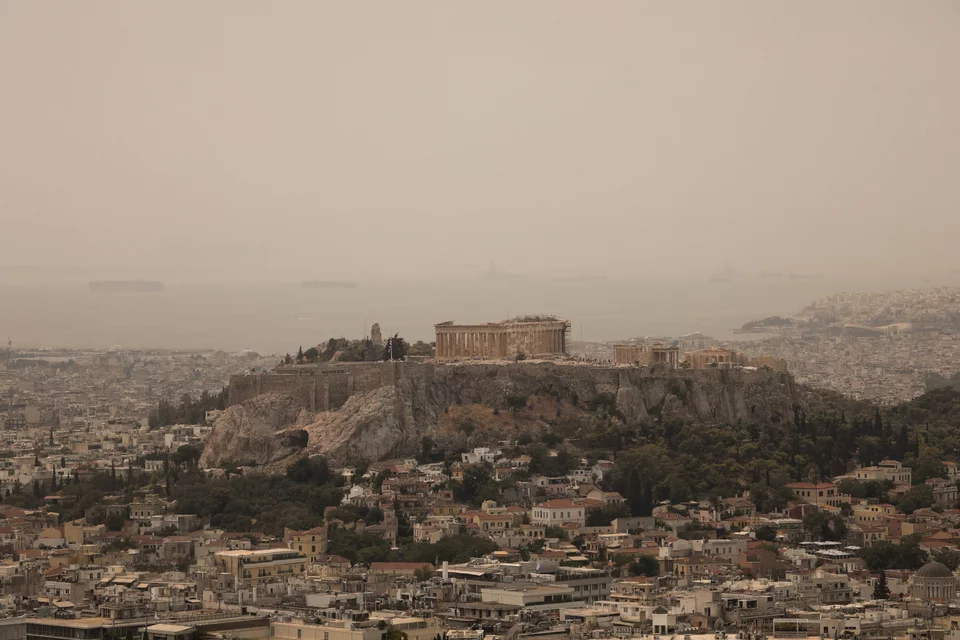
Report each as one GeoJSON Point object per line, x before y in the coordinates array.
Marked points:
{"type": "Point", "coordinates": [880, 590]}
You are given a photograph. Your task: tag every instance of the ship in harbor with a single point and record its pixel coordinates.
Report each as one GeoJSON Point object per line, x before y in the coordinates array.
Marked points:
{"type": "Point", "coordinates": [127, 285]}
{"type": "Point", "coordinates": [328, 284]}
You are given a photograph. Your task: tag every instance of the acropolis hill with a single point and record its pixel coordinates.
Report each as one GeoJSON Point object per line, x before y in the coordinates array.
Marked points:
{"type": "Point", "coordinates": [370, 411]}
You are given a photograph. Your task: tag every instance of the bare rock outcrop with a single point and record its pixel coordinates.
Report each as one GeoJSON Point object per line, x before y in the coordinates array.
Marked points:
{"type": "Point", "coordinates": [394, 420]}
{"type": "Point", "coordinates": [371, 426]}
{"type": "Point", "coordinates": [259, 431]}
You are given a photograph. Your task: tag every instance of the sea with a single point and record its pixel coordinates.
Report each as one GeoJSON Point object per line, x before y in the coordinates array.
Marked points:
{"type": "Point", "coordinates": [280, 317]}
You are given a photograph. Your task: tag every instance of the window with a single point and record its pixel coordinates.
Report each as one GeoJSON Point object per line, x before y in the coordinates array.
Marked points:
{"type": "Point", "coordinates": [299, 633]}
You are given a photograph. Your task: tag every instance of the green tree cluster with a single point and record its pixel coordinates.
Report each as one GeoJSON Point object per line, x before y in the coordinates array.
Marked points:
{"type": "Point", "coordinates": [190, 410]}
{"type": "Point", "coordinates": [883, 555]}
{"type": "Point", "coordinates": [260, 503]}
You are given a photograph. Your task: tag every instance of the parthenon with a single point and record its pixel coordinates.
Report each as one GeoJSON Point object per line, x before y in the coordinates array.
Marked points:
{"type": "Point", "coordinates": [528, 336]}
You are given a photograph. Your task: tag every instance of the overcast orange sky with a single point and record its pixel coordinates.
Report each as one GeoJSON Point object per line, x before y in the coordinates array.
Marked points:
{"type": "Point", "coordinates": [360, 138]}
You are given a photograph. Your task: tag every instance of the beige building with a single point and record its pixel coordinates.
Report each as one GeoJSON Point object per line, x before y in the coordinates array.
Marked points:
{"type": "Point", "coordinates": [261, 565]}
{"type": "Point", "coordinates": [819, 493]}
{"type": "Point", "coordinates": [720, 358]}
{"type": "Point", "coordinates": [311, 543]}
{"type": "Point", "coordinates": [892, 470]}
{"type": "Point", "coordinates": [554, 513]}
{"type": "Point", "coordinates": [944, 491]}
{"type": "Point", "coordinates": [498, 340]}
{"type": "Point", "coordinates": [415, 628]}
{"type": "Point", "coordinates": [872, 514]}
{"type": "Point", "coordinates": [330, 630]}
{"type": "Point", "coordinates": [643, 354]}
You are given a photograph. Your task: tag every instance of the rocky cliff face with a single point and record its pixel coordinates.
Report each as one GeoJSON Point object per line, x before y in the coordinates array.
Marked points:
{"type": "Point", "coordinates": [259, 431]}
{"type": "Point", "coordinates": [467, 405]}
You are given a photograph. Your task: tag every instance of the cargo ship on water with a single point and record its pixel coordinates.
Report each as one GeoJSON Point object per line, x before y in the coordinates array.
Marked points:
{"type": "Point", "coordinates": [127, 285]}
{"type": "Point", "coordinates": [328, 284]}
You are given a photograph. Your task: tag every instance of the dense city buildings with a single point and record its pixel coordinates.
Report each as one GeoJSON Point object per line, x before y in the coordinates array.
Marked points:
{"type": "Point", "coordinates": [545, 513]}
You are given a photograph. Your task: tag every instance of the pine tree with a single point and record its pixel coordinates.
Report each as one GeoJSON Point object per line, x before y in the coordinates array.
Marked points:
{"type": "Point", "coordinates": [880, 590]}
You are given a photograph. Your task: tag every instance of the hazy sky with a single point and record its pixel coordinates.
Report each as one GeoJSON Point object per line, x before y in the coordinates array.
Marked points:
{"type": "Point", "coordinates": [354, 139]}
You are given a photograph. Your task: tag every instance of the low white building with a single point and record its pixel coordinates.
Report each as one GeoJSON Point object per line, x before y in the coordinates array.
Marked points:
{"type": "Point", "coordinates": [558, 512]}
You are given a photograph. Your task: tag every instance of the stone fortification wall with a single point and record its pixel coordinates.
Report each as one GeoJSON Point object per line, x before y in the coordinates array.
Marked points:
{"type": "Point", "coordinates": [321, 388]}
{"type": "Point", "coordinates": [720, 394]}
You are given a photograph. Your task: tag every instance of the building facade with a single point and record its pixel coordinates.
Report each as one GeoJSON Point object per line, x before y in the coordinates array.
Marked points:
{"type": "Point", "coordinates": [643, 354]}
{"type": "Point", "coordinates": [934, 581]}
{"type": "Point", "coordinates": [502, 340]}
{"type": "Point", "coordinates": [254, 567]}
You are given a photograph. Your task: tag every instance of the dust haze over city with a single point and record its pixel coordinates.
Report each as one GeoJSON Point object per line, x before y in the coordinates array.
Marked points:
{"type": "Point", "coordinates": [479, 320]}
{"type": "Point", "coordinates": [410, 148]}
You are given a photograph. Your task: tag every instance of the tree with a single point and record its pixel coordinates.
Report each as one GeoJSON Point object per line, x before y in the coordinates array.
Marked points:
{"type": "Point", "coordinates": [421, 348]}
{"type": "Point", "coordinates": [765, 532]}
{"type": "Point", "coordinates": [917, 497]}
{"type": "Point", "coordinates": [395, 348]}
{"type": "Point", "coordinates": [114, 522]}
{"type": "Point", "coordinates": [645, 566]}
{"type": "Point", "coordinates": [880, 590]}
{"type": "Point", "coordinates": [516, 402]}
{"type": "Point", "coordinates": [820, 525]}
{"type": "Point", "coordinates": [884, 554]}
{"type": "Point", "coordinates": [393, 633]}
{"type": "Point", "coordinates": [187, 455]}
{"type": "Point", "coordinates": [477, 485]}
{"type": "Point", "coordinates": [603, 516]}
{"type": "Point", "coordinates": [310, 470]}
{"type": "Point", "coordinates": [551, 439]}
{"type": "Point", "coordinates": [300, 355]}
{"type": "Point", "coordinates": [948, 558]}
{"type": "Point", "coordinates": [554, 532]}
